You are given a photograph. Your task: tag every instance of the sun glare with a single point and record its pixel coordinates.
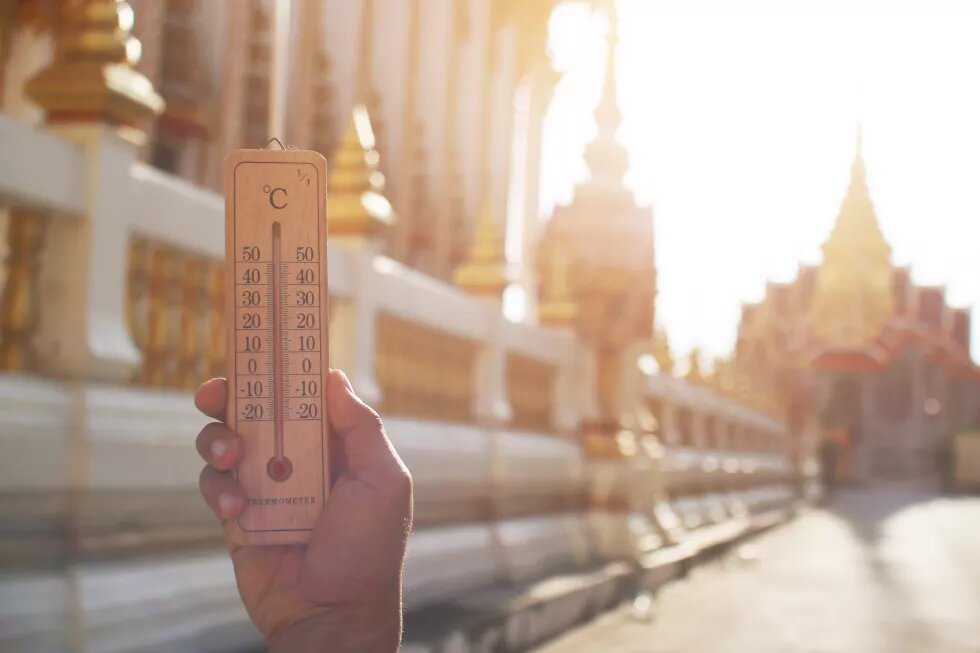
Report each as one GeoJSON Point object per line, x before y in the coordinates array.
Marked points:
{"type": "Point", "coordinates": [741, 130]}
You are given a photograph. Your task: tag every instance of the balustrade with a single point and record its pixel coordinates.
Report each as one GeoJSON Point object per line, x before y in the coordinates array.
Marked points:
{"type": "Point", "coordinates": [19, 297]}
{"type": "Point", "coordinates": [424, 373]}
{"type": "Point", "coordinates": [175, 309]}
{"type": "Point", "coordinates": [485, 412]}
{"type": "Point", "coordinates": [531, 392]}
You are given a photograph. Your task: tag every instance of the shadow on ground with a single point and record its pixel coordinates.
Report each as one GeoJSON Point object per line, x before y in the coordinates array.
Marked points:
{"type": "Point", "coordinates": [867, 508]}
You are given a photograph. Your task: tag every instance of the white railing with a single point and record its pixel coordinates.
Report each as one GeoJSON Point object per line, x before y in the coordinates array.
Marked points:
{"type": "Point", "coordinates": [84, 447]}
{"type": "Point", "coordinates": [40, 170]}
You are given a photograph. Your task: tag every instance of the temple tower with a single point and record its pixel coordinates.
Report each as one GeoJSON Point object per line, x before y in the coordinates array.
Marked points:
{"type": "Point", "coordinates": [854, 299]}
{"type": "Point", "coordinates": [596, 258]}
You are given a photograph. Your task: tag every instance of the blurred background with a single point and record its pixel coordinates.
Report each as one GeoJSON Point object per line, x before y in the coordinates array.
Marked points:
{"type": "Point", "coordinates": [630, 282]}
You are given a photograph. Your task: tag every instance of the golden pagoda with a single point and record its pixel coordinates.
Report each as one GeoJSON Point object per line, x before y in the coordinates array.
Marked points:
{"type": "Point", "coordinates": [356, 202]}
{"type": "Point", "coordinates": [605, 242]}
{"type": "Point", "coordinates": [853, 297]}
{"type": "Point", "coordinates": [484, 272]}
{"type": "Point", "coordinates": [93, 76]}
{"type": "Point", "coordinates": [853, 351]}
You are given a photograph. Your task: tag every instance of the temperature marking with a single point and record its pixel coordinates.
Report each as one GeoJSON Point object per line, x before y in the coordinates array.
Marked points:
{"type": "Point", "coordinates": [280, 468]}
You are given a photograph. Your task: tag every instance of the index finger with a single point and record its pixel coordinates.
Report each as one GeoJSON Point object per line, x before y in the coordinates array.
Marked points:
{"type": "Point", "coordinates": [212, 398]}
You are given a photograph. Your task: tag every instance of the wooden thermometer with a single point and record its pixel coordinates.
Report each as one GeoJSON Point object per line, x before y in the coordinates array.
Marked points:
{"type": "Point", "coordinates": [275, 235]}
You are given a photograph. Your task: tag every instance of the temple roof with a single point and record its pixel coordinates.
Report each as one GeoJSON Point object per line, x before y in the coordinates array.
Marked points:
{"type": "Point", "coordinates": [854, 300]}
{"type": "Point", "coordinates": [857, 311]}
{"type": "Point", "coordinates": [857, 228]}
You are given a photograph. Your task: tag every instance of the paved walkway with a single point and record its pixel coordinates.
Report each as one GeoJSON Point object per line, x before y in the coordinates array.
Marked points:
{"type": "Point", "coordinates": [886, 570]}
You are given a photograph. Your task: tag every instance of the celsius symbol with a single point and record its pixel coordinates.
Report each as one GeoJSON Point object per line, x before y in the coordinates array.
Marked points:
{"type": "Point", "coordinates": [277, 196]}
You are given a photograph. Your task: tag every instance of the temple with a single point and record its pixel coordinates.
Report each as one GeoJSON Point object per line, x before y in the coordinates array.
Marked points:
{"type": "Point", "coordinates": [561, 464]}
{"type": "Point", "coordinates": [860, 355]}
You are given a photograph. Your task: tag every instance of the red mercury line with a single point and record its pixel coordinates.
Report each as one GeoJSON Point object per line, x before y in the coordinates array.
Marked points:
{"type": "Point", "coordinates": [277, 339]}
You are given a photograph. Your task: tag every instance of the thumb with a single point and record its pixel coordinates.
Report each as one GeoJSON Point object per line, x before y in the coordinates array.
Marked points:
{"type": "Point", "coordinates": [359, 428]}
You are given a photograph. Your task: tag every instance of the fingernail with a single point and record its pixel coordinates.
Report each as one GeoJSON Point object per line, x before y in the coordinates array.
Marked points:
{"type": "Point", "coordinates": [228, 503]}
{"type": "Point", "coordinates": [218, 448]}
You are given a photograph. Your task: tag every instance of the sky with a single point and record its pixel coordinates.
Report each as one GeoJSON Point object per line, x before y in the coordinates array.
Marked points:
{"type": "Point", "coordinates": [740, 118]}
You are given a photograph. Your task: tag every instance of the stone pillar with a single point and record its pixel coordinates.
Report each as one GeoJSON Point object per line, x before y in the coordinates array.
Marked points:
{"type": "Point", "coordinates": [413, 233]}
{"type": "Point", "coordinates": [496, 112]}
{"type": "Point", "coordinates": [303, 82]}
{"type": "Point", "coordinates": [353, 325]}
{"type": "Point", "coordinates": [543, 80]}
{"type": "Point", "coordinates": [231, 110]}
{"type": "Point", "coordinates": [93, 96]}
{"type": "Point", "coordinates": [450, 204]}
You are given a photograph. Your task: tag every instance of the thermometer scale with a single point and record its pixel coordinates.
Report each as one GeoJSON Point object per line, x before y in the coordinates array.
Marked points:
{"type": "Point", "coordinates": [275, 234]}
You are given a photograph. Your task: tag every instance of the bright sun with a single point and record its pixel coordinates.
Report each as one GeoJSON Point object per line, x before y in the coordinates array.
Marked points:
{"type": "Point", "coordinates": [741, 130]}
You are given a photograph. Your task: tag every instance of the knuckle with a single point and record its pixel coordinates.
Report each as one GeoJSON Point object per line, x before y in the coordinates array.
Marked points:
{"type": "Point", "coordinates": [400, 482]}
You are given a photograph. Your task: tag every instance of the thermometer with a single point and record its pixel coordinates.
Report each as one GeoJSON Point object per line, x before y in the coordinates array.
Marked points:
{"type": "Point", "coordinates": [276, 256]}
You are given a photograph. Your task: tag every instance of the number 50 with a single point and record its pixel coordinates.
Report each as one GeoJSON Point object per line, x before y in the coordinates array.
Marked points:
{"type": "Point", "coordinates": [304, 253]}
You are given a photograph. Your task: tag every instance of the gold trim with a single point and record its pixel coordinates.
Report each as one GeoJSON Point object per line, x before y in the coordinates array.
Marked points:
{"type": "Point", "coordinates": [92, 78]}
{"type": "Point", "coordinates": [485, 272]}
{"type": "Point", "coordinates": [356, 203]}
{"type": "Point", "coordinates": [20, 299]}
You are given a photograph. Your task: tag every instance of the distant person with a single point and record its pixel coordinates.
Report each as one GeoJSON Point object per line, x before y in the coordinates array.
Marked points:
{"type": "Point", "coordinates": [342, 592]}
{"type": "Point", "coordinates": [828, 464]}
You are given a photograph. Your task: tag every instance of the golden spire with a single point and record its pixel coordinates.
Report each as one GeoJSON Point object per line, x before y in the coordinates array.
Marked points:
{"type": "Point", "coordinates": [722, 377]}
{"type": "Point", "coordinates": [356, 204]}
{"type": "Point", "coordinates": [93, 76]}
{"type": "Point", "coordinates": [610, 236]}
{"type": "Point", "coordinates": [605, 156]}
{"type": "Point", "coordinates": [661, 351]}
{"type": "Point", "coordinates": [854, 300]}
{"type": "Point", "coordinates": [694, 372]}
{"type": "Point", "coordinates": [485, 273]}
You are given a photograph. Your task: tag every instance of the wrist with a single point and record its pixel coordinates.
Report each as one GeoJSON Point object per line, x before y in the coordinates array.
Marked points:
{"type": "Point", "coordinates": [364, 629]}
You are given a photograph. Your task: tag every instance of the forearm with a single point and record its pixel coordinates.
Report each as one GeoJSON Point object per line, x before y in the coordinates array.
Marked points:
{"type": "Point", "coordinates": [374, 630]}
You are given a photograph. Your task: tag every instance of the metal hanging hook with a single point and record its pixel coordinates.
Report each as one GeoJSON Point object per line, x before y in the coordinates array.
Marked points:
{"type": "Point", "coordinates": [276, 141]}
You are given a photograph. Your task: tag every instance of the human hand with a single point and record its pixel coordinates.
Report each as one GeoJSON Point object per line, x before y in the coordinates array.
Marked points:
{"type": "Point", "coordinates": [343, 589]}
